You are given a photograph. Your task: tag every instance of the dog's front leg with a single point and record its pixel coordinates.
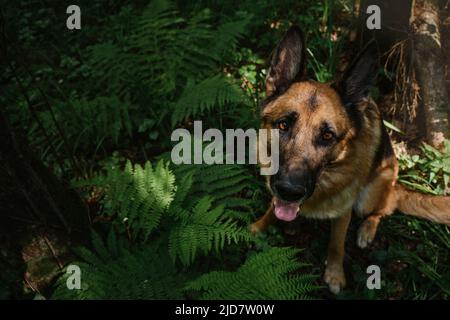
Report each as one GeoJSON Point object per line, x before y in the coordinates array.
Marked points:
{"type": "Point", "coordinates": [334, 272]}
{"type": "Point", "coordinates": [267, 219]}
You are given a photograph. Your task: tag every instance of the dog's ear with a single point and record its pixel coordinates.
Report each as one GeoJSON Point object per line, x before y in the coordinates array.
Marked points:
{"type": "Point", "coordinates": [360, 76]}
{"type": "Point", "coordinates": [287, 63]}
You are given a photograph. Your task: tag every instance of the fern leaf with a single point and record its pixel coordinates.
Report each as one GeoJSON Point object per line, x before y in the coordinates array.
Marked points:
{"type": "Point", "coordinates": [197, 98]}
{"type": "Point", "coordinates": [136, 273]}
{"type": "Point", "coordinates": [266, 275]}
{"type": "Point", "coordinates": [203, 229]}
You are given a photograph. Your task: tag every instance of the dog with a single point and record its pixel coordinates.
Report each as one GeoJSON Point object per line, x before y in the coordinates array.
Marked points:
{"type": "Point", "coordinates": [335, 155]}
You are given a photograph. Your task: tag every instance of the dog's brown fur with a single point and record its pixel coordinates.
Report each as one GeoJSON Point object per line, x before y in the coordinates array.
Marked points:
{"type": "Point", "coordinates": [358, 172]}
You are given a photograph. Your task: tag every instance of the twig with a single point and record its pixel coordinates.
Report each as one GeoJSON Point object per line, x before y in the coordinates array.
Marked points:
{"type": "Point", "coordinates": [49, 245]}
{"type": "Point", "coordinates": [35, 290]}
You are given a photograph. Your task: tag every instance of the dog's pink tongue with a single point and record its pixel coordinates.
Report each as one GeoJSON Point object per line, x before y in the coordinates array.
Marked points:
{"type": "Point", "coordinates": [286, 211]}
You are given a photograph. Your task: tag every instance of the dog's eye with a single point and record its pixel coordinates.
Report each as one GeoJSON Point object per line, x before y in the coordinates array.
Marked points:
{"type": "Point", "coordinates": [327, 136]}
{"type": "Point", "coordinates": [283, 125]}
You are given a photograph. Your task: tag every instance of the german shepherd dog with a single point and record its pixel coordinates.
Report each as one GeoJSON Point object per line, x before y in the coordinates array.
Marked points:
{"type": "Point", "coordinates": [335, 155]}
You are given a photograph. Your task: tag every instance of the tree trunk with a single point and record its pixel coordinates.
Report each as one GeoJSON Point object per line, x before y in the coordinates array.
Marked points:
{"type": "Point", "coordinates": [410, 39]}
{"type": "Point", "coordinates": [40, 217]}
{"type": "Point", "coordinates": [429, 66]}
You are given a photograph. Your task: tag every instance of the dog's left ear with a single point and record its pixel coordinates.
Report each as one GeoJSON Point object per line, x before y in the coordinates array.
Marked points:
{"type": "Point", "coordinates": [360, 76]}
{"type": "Point", "coordinates": [288, 62]}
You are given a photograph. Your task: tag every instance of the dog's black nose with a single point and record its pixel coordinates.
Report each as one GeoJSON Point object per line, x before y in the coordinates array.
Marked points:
{"type": "Point", "coordinates": [289, 192]}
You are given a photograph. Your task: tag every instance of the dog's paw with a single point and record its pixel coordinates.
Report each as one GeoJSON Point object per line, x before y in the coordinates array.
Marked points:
{"type": "Point", "coordinates": [366, 233]}
{"type": "Point", "coordinates": [335, 278]}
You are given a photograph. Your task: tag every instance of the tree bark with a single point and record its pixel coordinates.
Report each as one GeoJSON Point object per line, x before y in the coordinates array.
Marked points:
{"type": "Point", "coordinates": [415, 27]}
{"type": "Point", "coordinates": [29, 190]}
{"type": "Point", "coordinates": [429, 66]}
{"type": "Point", "coordinates": [40, 216]}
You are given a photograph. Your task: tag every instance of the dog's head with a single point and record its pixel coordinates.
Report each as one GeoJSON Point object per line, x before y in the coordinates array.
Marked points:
{"type": "Point", "coordinates": [316, 121]}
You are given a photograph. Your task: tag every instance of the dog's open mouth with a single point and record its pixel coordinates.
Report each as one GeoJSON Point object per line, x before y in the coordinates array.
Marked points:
{"type": "Point", "coordinates": [285, 210]}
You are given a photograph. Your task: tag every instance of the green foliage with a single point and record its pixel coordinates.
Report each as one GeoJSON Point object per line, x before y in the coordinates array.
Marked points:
{"type": "Point", "coordinates": [223, 183]}
{"type": "Point", "coordinates": [215, 91]}
{"type": "Point", "coordinates": [149, 64]}
{"type": "Point", "coordinates": [203, 228]}
{"type": "Point", "coordinates": [137, 196]}
{"type": "Point", "coordinates": [113, 270]}
{"type": "Point", "coordinates": [326, 38]}
{"type": "Point", "coordinates": [424, 271]}
{"type": "Point", "coordinates": [96, 120]}
{"type": "Point", "coordinates": [140, 197]}
{"type": "Point", "coordinates": [188, 222]}
{"type": "Point", "coordinates": [164, 57]}
{"type": "Point", "coordinates": [429, 173]}
{"type": "Point", "coordinates": [267, 275]}
{"type": "Point", "coordinates": [212, 208]}
{"type": "Point", "coordinates": [418, 247]}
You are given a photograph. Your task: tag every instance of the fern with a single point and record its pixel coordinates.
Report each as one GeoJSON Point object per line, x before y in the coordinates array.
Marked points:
{"type": "Point", "coordinates": [203, 228]}
{"type": "Point", "coordinates": [208, 217]}
{"type": "Point", "coordinates": [157, 69]}
{"type": "Point", "coordinates": [194, 217]}
{"type": "Point", "coordinates": [266, 275]}
{"type": "Point", "coordinates": [203, 96]}
{"type": "Point", "coordinates": [115, 271]}
{"type": "Point", "coordinates": [222, 182]}
{"type": "Point", "coordinates": [97, 119]}
{"type": "Point", "coordinates": [163, 57]}
{"type": "Point", "coordinates": [231, 185]}
{"type": "Point", "coordinates": [138, 196]}
{"type": "Point", "coordinates": [229, 33]}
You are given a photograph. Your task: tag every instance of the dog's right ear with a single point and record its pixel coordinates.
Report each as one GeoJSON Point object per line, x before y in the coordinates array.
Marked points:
{"type": "Point", "coordinates": [287, 63]}
{"type": "Point", "coordinates": [360, 75]}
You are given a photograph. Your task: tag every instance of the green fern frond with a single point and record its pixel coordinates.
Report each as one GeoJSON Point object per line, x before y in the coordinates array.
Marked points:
{"type": "Point", "coordinates": [134, 273]}
{"type": "Point", "coordinates": [266, 275]}
{"type": "Point", "coordinates": [138, 196]}
{"type": "Point", "coordinates": [164, 56]}
{"type": "Point", "coordinates": [229, 33]}
{"type": "Point", "coordinates": [216, 91]}
{"type": "Point", "coordinates": [205, 228]}
{"type": "Point", "coordinates": [218, 181]}
{"type": "Point", "coordinates": [199, 223]}
{"type": "Point", "coordinates": [89, 122]}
